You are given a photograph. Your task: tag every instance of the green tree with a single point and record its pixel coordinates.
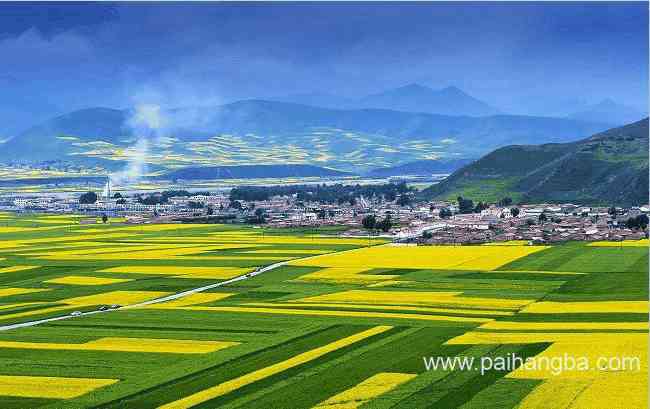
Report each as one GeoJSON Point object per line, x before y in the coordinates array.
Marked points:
{"type": "Point", "coordinates": [386, 224]}
{"type": "Point", "coordinates": [613, 212]}
{"type": "Point", "coordinates": [88, 198]}
{"type": "Point", "coordinates": [480, 206]}
{"type": "Point", "coordinates": [260, 215]}
{"type": "Point", "coordinates": [403, 200]}
{"type": "Point", "coordinates": [542, 218]}
{"type": "Point", "coordinates": [465, 205]}
{"type": "Point", "coordinates": [369, 222]}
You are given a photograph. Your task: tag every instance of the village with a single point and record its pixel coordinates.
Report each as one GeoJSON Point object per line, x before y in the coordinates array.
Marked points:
{"type": "Point", "coordinates": [402, 219]}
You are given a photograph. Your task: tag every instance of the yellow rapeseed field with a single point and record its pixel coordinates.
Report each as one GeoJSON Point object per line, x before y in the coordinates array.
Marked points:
{"type": "Point", "coordinates": [193, 272]}
{"type": "Point", "coordinates": [627, 344]}
{"type": "Point", "coordinates": [626, 243]}
{"type": "Point", "coordinates": [316, 240]}
{"type": "Point", "coordinates": [16, 229]}
{"type": "Point", "coordinates": [486, 338]}
{"type": "Point", "coordinates": [192, 299]}
{"type": "Point", "coordinates": [562, 391]}
{"type": "Point", "coordinates": [46, 310]}
{"type": "Point", "coordinates": [84, 280]}
{"type": "Point", "coordinates": [365, 391]}
{"type": "Point", "coordinates": [233, 384]}
{"type": "Point", "coordinates": [158, 345]}
{"type": "Point", "coordinates": [340, 313]}
{"type": "Point", "coordinates": [163, 252]}
{"type": "Point", "coordinates": [387, 307]}
{"type": "Point", "coordinates": [13, 269]}
{"type": "Point", "coordinates": [389, 283]}
{"type": "Point", "coordinates": [508, 243]}
{"type": "Point", "coordinates": [430, 298]}
{"type": "Point", "coordinates": [549, 307]}
{"type": "Point", "coordinates": [148, 228]}
{"type": "Point", "coordinates": [287, 251]}
{"type": "Point", "coordinates": [49, 387]}
{"type": "Point", "coordinates": [20, 304]}
{"type": "Point", "coordinates": [615, 390]}
{"type": "Point", "coordinates": [579, 387]}
{"type": "Point", "coordinates": [5, 292]}
{"type": "Point", "coordinates": [20, 244]}
{"type": "Point", "coordinates": [345, 275]}
{"type": "Point", "coordinates": [539, 326]}
{"type": "Point", "coordinates": [424, 257]}
{"type": "Point", "coordinates": [115, 297]}
{"type": "Point", "coordinates": [108, 248]}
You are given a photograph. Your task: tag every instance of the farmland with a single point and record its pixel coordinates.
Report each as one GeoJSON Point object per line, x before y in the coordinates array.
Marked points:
{"type": "Point", "coordinates": [345, 323]}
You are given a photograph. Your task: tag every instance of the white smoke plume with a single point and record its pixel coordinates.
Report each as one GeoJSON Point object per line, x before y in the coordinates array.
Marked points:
{"type": "Point", "coordinates": [146, 123]}
{"type": "Point", "coordinates": [163, 110]}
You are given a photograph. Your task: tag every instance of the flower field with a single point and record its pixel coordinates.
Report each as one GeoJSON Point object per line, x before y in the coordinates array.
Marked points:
{"type": "Point", "coordinates": [344, 323]}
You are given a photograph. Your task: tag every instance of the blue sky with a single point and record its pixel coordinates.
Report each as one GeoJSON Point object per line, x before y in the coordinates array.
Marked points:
{"type": "Point", "coordinates": [528, 58]}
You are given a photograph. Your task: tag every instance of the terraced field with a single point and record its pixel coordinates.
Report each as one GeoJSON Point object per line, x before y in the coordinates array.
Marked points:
{"type": "Point", "coordinates": [345, 323]}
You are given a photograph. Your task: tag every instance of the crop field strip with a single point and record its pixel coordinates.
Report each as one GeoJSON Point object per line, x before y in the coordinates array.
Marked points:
{"type": "Point", "coordinates": [353, 326]}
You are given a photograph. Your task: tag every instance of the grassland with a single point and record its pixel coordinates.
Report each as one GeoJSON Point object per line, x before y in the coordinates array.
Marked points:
{"type": "Point", "coordinates": [341, 325]}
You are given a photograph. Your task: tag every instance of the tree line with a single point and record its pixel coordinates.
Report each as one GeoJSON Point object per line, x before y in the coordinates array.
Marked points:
{"type": "Point", "coordinates": [326, 194]}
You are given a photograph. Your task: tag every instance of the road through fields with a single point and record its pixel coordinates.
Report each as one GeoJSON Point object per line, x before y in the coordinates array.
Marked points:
{"type": "Point", "coordinates": [149, 302]}
{"type": "Point", "coordinates": [161, 299]}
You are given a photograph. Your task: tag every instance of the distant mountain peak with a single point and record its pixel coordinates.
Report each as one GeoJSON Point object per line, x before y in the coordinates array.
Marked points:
{"type": "Point", "coordinates": [608, 111]}
{"type": "Point", "coordinates": [416, 97]}
{"type": "Point", "coordinates": [414, 86]}
{"type": "Point", "coordinates": [607, 102]}
{"type": "Point", "coordinates": [453, 89]}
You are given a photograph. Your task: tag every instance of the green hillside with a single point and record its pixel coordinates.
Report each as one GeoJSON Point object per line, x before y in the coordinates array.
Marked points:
{"type": "Point", "coordinates": [609, 167]}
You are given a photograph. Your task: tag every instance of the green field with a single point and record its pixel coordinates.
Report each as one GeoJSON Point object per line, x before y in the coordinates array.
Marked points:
{"type": "Point", "coordinates": [345, 324]}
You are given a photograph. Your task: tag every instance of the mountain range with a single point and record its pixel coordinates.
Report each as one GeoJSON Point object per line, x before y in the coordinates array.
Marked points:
{"type": "Point", "coordinates": [408, 98]}
{"type": "Point", "coordinates": [271, 132]}
{"type": "Point", "coordinates": [607, 168]}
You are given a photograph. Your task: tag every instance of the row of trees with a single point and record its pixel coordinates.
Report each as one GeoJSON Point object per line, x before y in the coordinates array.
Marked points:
{"type": "Point", "coordinates": [337, 193]}
{"type": "Point", "coordinates": [467, 205]}
{"type": "Point", "coordinates": [163, 197]}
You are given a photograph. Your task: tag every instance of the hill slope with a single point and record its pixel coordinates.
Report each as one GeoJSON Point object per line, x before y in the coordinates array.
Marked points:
{"type": "Point", "coordinates": [609, 167]}
{"type": "Point", "coordinates": [420, 167]}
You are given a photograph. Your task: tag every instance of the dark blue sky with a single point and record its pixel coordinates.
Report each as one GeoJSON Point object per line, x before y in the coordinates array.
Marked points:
{"type": "Point", "coordinates": [529, 58]}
